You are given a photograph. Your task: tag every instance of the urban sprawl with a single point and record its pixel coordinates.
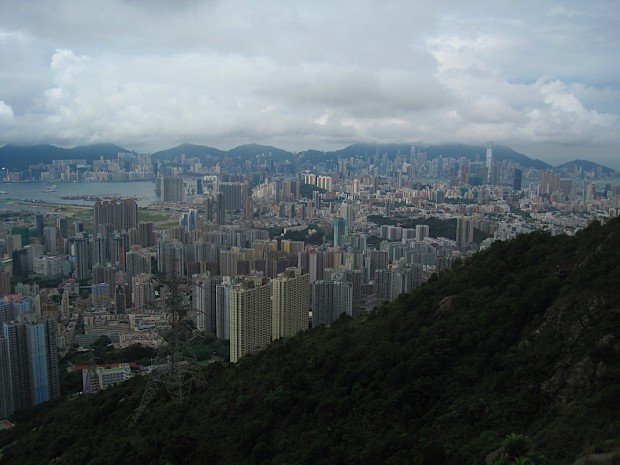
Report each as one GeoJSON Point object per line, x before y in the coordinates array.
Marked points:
{"type": "Point", "coordinates": [268, 247]}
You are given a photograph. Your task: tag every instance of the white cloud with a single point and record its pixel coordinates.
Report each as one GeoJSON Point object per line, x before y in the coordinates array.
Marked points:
{"type": "Point", "coordinates": [317, 74]}
{"type": "Point", "coordinates": [6, 113]}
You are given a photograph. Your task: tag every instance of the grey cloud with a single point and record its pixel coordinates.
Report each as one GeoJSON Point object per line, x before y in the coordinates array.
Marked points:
{"type": "Point", "coordinates": [311, 74]}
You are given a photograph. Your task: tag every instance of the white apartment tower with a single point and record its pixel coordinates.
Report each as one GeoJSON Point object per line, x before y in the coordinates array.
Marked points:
{"type": "Point", "coordinates": [290, 303]}
{"type": "Point", "coordinates": [250, 317]}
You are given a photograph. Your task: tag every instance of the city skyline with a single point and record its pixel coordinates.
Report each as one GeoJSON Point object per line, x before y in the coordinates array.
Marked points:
{"type": "Point", "coordinates": [46, 152]}
{"type": "Point", "coordinates": [540, 78]}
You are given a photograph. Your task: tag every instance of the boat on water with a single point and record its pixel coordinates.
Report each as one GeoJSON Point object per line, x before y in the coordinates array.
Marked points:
{"type": "Point", "coordinates": [51, 188]}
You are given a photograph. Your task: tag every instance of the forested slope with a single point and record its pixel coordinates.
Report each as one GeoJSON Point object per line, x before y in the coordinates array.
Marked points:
{"type": "Point", "coordinates": [523, 338]}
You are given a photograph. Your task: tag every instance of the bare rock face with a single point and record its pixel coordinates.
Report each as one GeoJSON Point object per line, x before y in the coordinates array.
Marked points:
{"type": "Point", "coordinates": [606, 341]}
{"type": "Point", "coordinates": [580, 375]}
{"type": "Point", "coordinates": [492, 457]}
{"type": "Point", "coordinates": [609, 458]}
{"type": "Point", "coordinates": [446, 305]}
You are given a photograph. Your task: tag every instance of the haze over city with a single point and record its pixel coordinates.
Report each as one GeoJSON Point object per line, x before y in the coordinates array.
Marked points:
{"type": "Point", "coordinates": [540, 77]}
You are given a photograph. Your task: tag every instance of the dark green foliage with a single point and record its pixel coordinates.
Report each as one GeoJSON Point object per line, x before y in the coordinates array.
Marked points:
{"type": "Point", "coordinates": [25, 233]}
{"type": "Point", "coordinates": [373, 241]}
{"type": "Point", "coordinates": [517, 449]}
{"type": "Point", "coordinates": [523, 338]}
{"type": "Point", "coordinates": [310, 239]}
{"type": "Point", "coordinates": [44, 283]}
{"type": "Point", "coordinates": [306, 190]}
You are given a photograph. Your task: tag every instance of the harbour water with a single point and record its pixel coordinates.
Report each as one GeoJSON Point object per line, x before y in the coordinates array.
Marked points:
{"type": "Point", "coordinates": [143, 191]}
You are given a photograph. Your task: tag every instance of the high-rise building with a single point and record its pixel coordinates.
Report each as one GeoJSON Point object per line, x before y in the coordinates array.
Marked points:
{"type": "Point", "coordinates": [250, 317]}
{"type": "Point", "coordinates": [377, 260]}
{"type": "Point", "coordinates": [222, 308]}
{"type": "Point", "coordinates": [290, 189]}
{"type": "Point", "coordinates": [49, 266]}
{"type": "Point", "coordinates": [290, 303]}
{"type": "Point", "coordinates": [21, 265]}
{"type": "Point", "coordinates": [170, 257]}
{"type": "Point", "coordinates": [494, 175]}
{"type": "Point", "coordinates": [62, 224]}
{"type": "Point", "coordinates": [120, 298]}
{"type": "Point", "coordinates": [98, 251]}
{"type": "Point", "coordinates": [189, 220]}
{"type": "Point", "coordinates": [325, 182]}
{"type": "Point", "coordinates": [204, 301]}
{"type": "Point", "coordinates": [338, 231]}
{"type": "Point", "coordinates": [215, 209]}
{"type": "Point", "coordinates": [348, 214]}
{"type": "Point", "coordinates": [397, 280]}
{"type": "Point", "coordinates": [291, 248]}
{"type": "Point", "coordinates": [32, 362]}
{"type": "Point", "coordinates": [549, 183]}
{"type": "Point", "coordinates": [517, 179]}
{"type": "Point", "coordinates": [6, 390]}
{"type": "Point", "coordinates": [233, 195]}
{"type": "Point", "coordinates": [566, 187]}
{"type": "Point", "coordinates": [588, 191]}
{"type": "Point", "coordinates": [137, 262]}
{"type": "Point", "coordinates": [348, 276]}
{"type": "Point", "coordinates": [78, 227]}
{"type": "Point", "coordinates": [80, 254]}
{"type": "Point", "coordinates": [329, 300]}
{"type": "Point", "coordinates": [146, 234]}
{"type": "Point", "coordinates": [38, 224]}
{"type": "Point", "coordinates": [172, 189]}
{"type": "Point", "coordinates": [121, 214]}
{"type": "Point", "coordinates": [5, 281]}
{"type": "Point", "coordinates": [229, 260]}
{"type": "Point", "coordinates": [142, 291]}
{"type": "Point", "coordinates": [489, 160]}
{"type": "Point", "coordinates": [617, 196]}
{"type": "Point", "coordinates": [464, 231]}
{"type": "Point", "coordinates": [50, 234]}
{"type": "Point", "coordinates": [422, 231]}
{"type": "Point", "coordinates": [13, 242]}
{"type": "Point", "coordinates": [311, 261]}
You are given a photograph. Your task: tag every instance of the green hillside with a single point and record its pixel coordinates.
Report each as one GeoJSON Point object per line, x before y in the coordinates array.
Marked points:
{"type": "Point", "coordinates": [472, 152]}
{"type": "Point", "coordinates": [523, 338]}
{"type": "Point", "coordinates": [191, 150]}
{"type": "Point", "coordinates": [16, 157]}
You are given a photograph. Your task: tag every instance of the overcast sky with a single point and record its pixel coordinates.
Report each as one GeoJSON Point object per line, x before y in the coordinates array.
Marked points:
{"type": "Point", "coordinates": [541, 77]}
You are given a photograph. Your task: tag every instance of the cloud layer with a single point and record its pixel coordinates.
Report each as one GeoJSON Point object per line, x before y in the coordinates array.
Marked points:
{"type": "Point", "coordinates": [539, 76]}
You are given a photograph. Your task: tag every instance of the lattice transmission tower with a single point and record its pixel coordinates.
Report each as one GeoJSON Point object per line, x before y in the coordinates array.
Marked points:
{"type": "Point", "coordinates": [174, 370]}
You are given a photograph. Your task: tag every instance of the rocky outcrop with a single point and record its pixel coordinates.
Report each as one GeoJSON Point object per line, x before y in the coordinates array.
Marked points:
{"type": "Point", "coordinates": [609, 458]}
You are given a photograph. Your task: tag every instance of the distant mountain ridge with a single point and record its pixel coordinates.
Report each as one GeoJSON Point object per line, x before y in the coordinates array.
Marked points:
{"type": "Point", "coordinates": [191, 150]}
{"type": "Point", "coordinates": [471, 152]}
{"type": "Point", "coordinates": [18, 157]}
{"type": "Point", "coordinates": [15, 157]}
{"type": "Point", "coordinates": [587, 165]}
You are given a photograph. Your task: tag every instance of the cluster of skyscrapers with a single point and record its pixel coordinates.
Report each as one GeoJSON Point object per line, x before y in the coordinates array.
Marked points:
{"type": "Point", "coordinates": [270, 248]}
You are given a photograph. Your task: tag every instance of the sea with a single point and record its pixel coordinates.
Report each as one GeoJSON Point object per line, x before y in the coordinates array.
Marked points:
{"type": "Point", "coordinates": [143, 191]}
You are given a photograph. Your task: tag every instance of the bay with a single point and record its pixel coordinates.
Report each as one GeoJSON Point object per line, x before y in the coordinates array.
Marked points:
{"type": "Point", "coordinates": [143, 191]}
